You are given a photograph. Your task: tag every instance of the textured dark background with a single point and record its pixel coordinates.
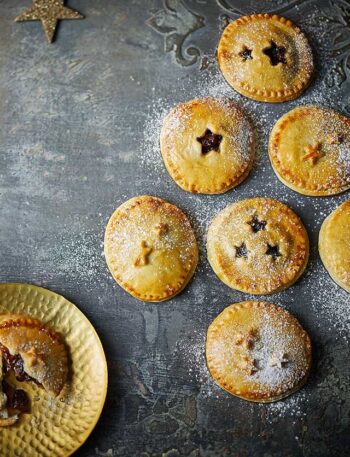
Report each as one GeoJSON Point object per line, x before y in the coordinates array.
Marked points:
{"type": "Point", "coordinates": [79, 122]}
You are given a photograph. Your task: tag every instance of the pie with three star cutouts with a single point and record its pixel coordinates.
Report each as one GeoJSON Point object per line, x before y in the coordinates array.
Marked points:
{"type": "Point", "coordinates": [150, 248]}
{"type": "Point", "coordinates": [207, 145]}
{"type": "Point", "coordinates": [265, 57]}
{"type": "Point", "coordinates": [258, 246]}
{"type": "Point", "coordinates": [33, 353]}
{"type": "Point", "coordinates": [258, 351]}
{"type": "Point", "coordinates": [309, 149]}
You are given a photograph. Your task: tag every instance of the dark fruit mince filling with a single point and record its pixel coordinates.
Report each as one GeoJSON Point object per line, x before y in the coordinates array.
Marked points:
{"type": "Point", "coordinates": [273, 251]}
{"type": "Point", "coordinates": [246, 54]}
{"type": "Point", "coordinates": [277, 54]}
{"type": "Point", "coordinates": [257, 225]}
{"type": "Point", "coordinates": [241, 251]}
{"type": "Point", "coordinates": [16, 399]}
{"type": "Point", "coordinates": [209, 141]}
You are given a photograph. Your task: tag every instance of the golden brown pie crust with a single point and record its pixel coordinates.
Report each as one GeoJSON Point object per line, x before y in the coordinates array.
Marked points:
{"type": "Point", "coordinates": [258, 246]}
{"type": "Point", "coordinates": [309, 149]}
{"type": "Point", "coordinates": [334, 245]}
{"type": "Point", "coordinates": [265, 57]}
{"type": "Point", "coordinates": [43, 353]}
{"type": "Point", "coordinates": [258, 351]}
{"type": "Point", "coordinates": [150, 248]}
{"type": "Point", "coordinates": [221, 166]}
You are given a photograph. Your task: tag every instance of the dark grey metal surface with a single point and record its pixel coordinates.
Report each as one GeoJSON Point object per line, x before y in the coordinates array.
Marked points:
{"type": "Point", "coordinates": [79, 122]}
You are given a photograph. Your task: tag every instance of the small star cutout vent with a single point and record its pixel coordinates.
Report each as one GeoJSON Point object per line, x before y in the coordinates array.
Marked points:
{"type": "Point", "coordinates": [246, 54]}
{"type": "Point", "coordinates": [273, 251]}
{"type": "Point", "coordinates": [257, 225]}
{"type": "Point", "coordinates": [210, 141]}
{"type": "Point", "coordinates": [277, 54]}
{"type": "Point", "coordinates": [241, 251]}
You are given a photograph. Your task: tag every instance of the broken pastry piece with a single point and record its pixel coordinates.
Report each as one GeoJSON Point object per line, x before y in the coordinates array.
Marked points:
{"type": "Point", "coordinates": [33, 353]}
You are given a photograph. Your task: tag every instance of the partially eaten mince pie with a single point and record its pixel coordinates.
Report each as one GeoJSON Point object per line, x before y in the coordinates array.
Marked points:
{"type": "Point", "coordinates": [33, 353]}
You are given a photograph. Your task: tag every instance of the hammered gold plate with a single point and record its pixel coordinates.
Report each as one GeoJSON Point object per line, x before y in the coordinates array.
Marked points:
{"type": "Point", "coordinates": [57, 428]}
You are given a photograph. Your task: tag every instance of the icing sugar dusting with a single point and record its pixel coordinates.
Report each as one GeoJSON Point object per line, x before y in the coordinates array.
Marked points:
{"type": "Point", "coordinates": [344, 156]}
{"type": "Point", "coordinates": [280, 356]}
{"type": "Point", "coordinates": [328, 306]}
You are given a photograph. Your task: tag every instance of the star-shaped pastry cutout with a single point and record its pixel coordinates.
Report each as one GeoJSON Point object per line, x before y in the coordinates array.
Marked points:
{"type": "Point", "coordinates": [277, 54]}
{"type": "Point", "coordinates": [49, 12]}
{"type": "Point", "coordinates": [35, 357]}
{"type": "Point", "coordinates": [257, 225]}
{"type": "Point", "coordinates": [247, 340]}
{"type": "Point", "coordinates": [210, 141]}
{"type": "Point", "coordinates": [279, 360]}
{"type": "Point", "coordinates": [143, 257]}
{"type": "Point", "coordinates": [313, 152]}
{"type": "Point", "coordinates": [248, 364]}
{"type": "Point", "coordinates": [273, 251]}
{"type": "Point", "coordinates": [246, 54]}
{"type": "Point", "coordinates": [241, 251]}
{"type": "Point", "coordinates": [161, 229]}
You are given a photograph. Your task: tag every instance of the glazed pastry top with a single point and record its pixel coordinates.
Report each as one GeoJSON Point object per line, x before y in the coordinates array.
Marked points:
{"type": "Point", "coordinates": [257, 245]}
{"type": "Point", "coordinates": [309, 149]}
{"type": "Point", "coordinates": [265, 57]}
{"type": "Point", "coordinates": [150, 248]}
{"type": "Point", "coordinates": [207, 145]}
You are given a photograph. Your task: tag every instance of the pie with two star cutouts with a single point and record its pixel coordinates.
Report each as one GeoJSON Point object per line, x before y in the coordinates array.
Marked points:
{"type": "Point", "coordinates": [258, 351]}
{"type": "Point", "coordinates": [309, 149]}
{"type": "Point", "coordinates": [150, 248]}
{"type": "Point", "coordinates": [334, 245]}
{"type": "Point", "coordinates": [265, 57]}
{"type": "Point", "coordinates": [33, 353]}
{"type": "Point", "coordinates": [258, 246]}
{"type": "Point", "coordinates": [207, 145]}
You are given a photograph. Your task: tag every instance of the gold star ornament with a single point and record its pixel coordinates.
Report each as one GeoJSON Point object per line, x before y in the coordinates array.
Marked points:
{"type": "Point", "coordinates": [49, 12]}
